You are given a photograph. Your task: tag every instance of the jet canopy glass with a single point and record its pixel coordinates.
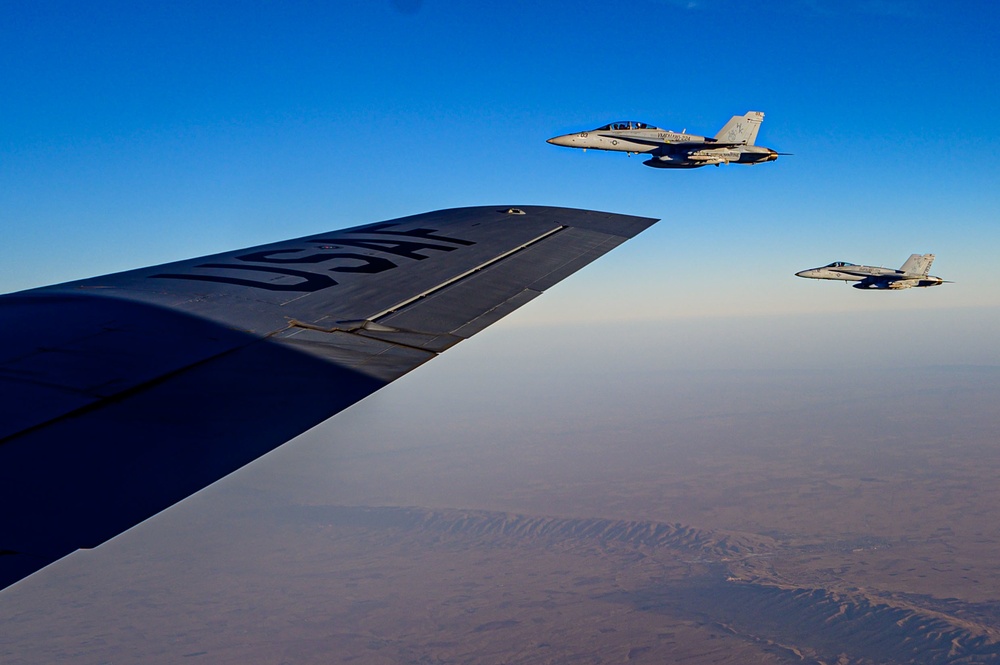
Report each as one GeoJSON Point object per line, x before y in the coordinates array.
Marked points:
{"type": "Point", "coordinates": [626, 124]}
{"type": "Point", "coordinates": [841, 264]}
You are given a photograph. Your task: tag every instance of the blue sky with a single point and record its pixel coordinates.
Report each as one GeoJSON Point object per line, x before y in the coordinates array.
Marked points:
{"type": "Point", "coordinates": [132, 135]}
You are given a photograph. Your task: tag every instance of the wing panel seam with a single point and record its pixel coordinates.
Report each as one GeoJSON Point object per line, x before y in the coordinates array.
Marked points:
{"type": "Point", "coordinates": [409, 301]}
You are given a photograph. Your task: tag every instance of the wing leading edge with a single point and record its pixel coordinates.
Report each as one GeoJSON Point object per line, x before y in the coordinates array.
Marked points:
{"type": "Point", "coordinates": [121, 395]}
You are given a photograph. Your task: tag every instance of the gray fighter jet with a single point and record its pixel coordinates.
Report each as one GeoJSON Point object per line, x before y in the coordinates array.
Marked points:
{"type": "Point", "coordinates": [912, 273]}
{"type": "Point", "coordinates": [734, 144]}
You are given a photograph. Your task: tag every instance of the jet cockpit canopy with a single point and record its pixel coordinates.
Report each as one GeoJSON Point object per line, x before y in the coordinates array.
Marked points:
{"type": "Point", "coordinates": [626, 124]}
{"type": "Point", "coordinates": [841, 264]}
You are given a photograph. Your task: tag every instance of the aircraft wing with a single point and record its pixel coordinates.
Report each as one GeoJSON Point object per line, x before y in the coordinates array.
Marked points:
{"type": "Point", "coordinates": [675, 145]}
{"type": "Point", "coordinates": [121, 395]}
{"type": "Point", "coordinates": [884, 278]}
{"type": "Point", "coordinates": [639, 139]}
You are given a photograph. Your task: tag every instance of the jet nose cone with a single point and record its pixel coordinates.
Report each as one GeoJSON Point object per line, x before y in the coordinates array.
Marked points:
{"type": "Point", "coordinates": [564, 140]}
{"type": "Point", "coordinates": [771, 156]}
{"type": "Point", "coordinates": [803, 273]}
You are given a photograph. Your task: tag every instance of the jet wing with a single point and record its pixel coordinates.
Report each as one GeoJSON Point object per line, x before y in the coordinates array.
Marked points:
{"type": "Point", "coordinates": [121, 395]}
{"type": "Point", "coordinates": [682, 145]}
{"type": "Point", "coordinates": [884, 280]}
{"type": "Point", "coordinates": [638, 139]}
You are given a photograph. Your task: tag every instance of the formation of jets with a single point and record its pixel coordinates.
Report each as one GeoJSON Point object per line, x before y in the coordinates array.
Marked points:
{"type": "Point", "coordinates": [734, 144]}
{"type": "Point", "coordinates": [121, 395]}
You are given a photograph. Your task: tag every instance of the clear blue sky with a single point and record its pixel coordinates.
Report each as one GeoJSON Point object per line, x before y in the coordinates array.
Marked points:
{"type": "Point", "coordinates": [133, 135]}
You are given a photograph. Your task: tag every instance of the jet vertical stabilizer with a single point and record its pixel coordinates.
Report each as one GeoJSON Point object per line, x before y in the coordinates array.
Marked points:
{"type": "Point", "coordinates": [741, 128]}
{"type": "Point", "coordinates": [918, 264]}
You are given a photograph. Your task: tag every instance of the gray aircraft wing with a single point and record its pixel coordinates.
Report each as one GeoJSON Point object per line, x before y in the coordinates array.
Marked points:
{"type": "Point", "coordinates": [121, 395]}
{"type": "Point", "coordinates": [885, 279]}
{"type": "Point", "coordinates": [679, 145]}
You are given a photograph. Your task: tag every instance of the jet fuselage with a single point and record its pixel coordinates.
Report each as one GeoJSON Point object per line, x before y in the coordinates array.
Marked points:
{"type": "Point", "coordinates": [634, 137]}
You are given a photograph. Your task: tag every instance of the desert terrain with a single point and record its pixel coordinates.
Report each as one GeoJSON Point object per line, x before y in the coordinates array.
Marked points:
{"type": "Point", "coordinates": [756, 519]}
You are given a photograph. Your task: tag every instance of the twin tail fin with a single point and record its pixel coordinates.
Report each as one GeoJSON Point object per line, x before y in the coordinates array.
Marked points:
{"type": "Point", "coordinates": [918, 264]}
{"type": "Point", "coordinates": [741, 128]}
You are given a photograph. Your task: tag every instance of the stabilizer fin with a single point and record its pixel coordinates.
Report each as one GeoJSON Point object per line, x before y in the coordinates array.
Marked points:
{"type": "Point", "coordinates": [918, 264]}
{"type": "Point", "coordinates": [741, 128]}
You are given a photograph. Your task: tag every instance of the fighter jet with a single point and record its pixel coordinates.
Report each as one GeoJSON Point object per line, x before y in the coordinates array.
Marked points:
{"type": "Point", "coordinates": [734, 144]}
{"type": "Point", "coordinates": [912, 273]}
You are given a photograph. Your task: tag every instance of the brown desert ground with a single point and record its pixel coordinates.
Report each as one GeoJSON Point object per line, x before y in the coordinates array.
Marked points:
{"type": "Point", "coordinates": [756, 518]}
